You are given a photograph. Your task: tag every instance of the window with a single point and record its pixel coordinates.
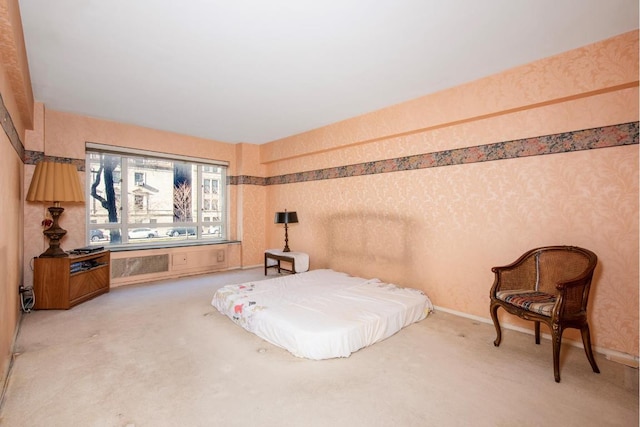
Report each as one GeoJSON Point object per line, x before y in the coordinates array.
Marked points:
{"type": "Point", "coordinates": [139, 178]}
{"type": "Point", "coordinates": [210, 186]}
{"type": "Point", "coordinates": [173, 199]}
{"type": "Point", "coordinates": [139, 202]}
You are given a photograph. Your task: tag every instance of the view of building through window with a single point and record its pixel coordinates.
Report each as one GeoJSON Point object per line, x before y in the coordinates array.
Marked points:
{"type": "Point", "coordinates": [148, 200]}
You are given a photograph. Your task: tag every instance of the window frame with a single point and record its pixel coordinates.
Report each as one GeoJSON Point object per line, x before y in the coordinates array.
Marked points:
{"type": "Point", "coordinates": [199, 170]}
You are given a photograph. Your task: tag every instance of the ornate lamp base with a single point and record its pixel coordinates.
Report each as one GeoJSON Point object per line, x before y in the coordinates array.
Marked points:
{"type": "Point", "coordinates": [54, 233]}
{"type": "Point", "coordinates": [286, 239]}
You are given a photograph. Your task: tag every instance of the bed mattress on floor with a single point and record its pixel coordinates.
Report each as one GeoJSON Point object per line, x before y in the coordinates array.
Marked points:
{"type": "Point", "coordinates": [321, 314]}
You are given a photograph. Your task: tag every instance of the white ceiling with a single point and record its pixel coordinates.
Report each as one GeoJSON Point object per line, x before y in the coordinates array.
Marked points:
{"type": "Point", "coordinates": [255, 70]}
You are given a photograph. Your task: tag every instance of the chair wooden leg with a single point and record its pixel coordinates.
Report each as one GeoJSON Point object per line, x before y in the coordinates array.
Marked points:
{"type": "Point", "coordinates": [556, 337]}
{"type": "Point", "coordinates": [496, 323]}
{"type": "Point", "coordinates": [586, 342]}
{"type": "Point", "coordinates": [537, 329]}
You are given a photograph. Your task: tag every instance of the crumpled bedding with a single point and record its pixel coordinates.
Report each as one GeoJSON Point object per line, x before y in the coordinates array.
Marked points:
{"type": "Point", "coordinates": [322, 314]}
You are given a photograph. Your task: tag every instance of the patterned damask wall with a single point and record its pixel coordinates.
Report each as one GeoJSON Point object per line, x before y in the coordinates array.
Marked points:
{"type": "Point", "coordinates": [439, 221]}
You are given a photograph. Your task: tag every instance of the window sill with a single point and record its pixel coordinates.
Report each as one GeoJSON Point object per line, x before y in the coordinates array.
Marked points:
{"type": "Point", "coordinates": [142, 247]}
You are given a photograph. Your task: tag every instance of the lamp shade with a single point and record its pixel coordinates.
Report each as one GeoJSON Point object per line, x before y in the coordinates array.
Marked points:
{"type": "Point", "coordinates": [286, 217]}
{"type": "Point", "coordinates": [55, 182]}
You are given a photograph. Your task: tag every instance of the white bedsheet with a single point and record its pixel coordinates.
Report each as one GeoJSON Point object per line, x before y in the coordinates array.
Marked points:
{"type": "Point", "coordinates": [321, 314]}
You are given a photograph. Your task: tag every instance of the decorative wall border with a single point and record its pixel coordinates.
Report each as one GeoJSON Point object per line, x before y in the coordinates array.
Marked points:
{"type": "Point", "coordinates": [587, 139]}
{"type": "Point", "coordinates": [33, 157]}
{"type": "Point", "coordinates": [10, 129]}
{"type": "Point", "coordinates": [246, 180]}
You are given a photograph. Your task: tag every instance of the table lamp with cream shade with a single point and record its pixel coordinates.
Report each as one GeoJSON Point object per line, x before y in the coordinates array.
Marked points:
{"type": "Point", "coordinates": [55, 182]}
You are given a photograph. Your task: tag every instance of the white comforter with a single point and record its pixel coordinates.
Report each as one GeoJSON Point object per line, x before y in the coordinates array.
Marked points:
{"type": "Point", "coordinates": [321, 314]}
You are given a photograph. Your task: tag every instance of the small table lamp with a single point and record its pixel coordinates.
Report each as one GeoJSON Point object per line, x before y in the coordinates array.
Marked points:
{"type": "Point", "coordinates": [55, 182]}
{"type": "Point", "coordinates": [286, 218]}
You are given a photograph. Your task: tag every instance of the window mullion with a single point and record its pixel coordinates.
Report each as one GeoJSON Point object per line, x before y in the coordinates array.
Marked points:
{"type": "Point", "coordinates": [124, 198]}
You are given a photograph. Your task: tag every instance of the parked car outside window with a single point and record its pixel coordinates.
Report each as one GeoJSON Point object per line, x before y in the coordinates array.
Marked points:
{"type": "Point", "coordinates": [141, 233]}
{"type": "Point", "coordinates": [97, 235]}
{"type": "Point", "coordinates": [181, 231]}
{"type": "Point", "coordinates": [213, 230]}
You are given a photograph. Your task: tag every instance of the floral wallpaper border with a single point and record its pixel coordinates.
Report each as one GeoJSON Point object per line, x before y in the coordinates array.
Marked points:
{"type": "Point", "coordinates": [33, 157]}
{"type": "Point", "coordinates": [10, 129]}
{"type": "Point", "coordinates": [587, 139]}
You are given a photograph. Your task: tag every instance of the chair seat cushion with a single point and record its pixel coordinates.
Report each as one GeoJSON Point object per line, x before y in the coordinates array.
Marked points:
{"type": "Point", "coordinates": [538, 302]}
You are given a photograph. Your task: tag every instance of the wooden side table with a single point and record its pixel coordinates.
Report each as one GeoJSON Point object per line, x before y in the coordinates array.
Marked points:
{"type": "Point", "coordinates": [61, 283]}
{"type": "Point", "coordinates": [273, 257]}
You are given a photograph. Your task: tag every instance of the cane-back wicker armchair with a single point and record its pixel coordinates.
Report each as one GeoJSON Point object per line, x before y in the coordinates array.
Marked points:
{"type": "Point", "coordinates": [549, 285]}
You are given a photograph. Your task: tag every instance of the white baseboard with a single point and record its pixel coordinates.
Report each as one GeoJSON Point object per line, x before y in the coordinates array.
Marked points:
{"type": "Point", "coordinates": [613, 355]}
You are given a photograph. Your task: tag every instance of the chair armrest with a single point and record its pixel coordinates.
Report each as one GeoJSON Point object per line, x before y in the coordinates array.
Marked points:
{"type": "Point", "coordinates": [582, 280]}
{"type": "Point", "coordinates": [573, 295]}
{"type": "Point", "coordinates": [520, 274]}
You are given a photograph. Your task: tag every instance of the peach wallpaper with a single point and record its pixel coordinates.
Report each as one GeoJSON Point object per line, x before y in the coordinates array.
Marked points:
{"type": "Point", "coordinates": [620, 107]}
{"type": "Point", "coordinates": [441, 228]}
{"type": "Point", "coordinates": [65, 136]}
{"type": "Point", "coordinates": [249, 204]}
{"type": "Point", "coordinates": [11, 238]}
{"type": "Point", "coordinates": [10, 247]}
{"type": "Point", "coordinates": [433, 226]}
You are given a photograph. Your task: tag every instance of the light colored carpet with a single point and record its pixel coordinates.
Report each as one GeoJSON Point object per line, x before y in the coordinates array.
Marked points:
{"type": "Point", "coordinates": [160, 355]}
